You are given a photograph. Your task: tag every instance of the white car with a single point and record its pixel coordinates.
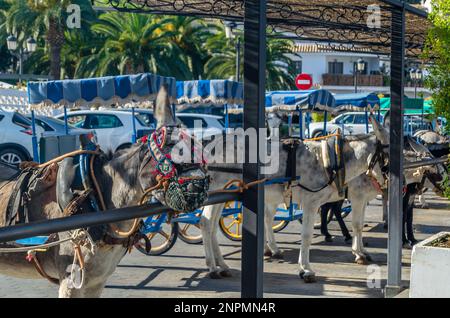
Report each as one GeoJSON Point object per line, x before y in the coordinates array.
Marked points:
{"type": "Point", "coordinates": [202, 126]}
{"type": "Point", "coordinates": [16, 137]}
{"type": "Point", "coordinates": [114, 128]}
{"type": "Point", "coordinates": [352, 123]}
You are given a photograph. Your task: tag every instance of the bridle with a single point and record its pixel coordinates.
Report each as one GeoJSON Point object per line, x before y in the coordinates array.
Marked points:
{"type": "Point", "coordinates": [382, 158]}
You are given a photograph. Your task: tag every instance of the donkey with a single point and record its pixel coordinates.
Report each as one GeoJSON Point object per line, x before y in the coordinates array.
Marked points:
{"type": "Point", "coordinates": [315, 189]}
{"type": "Point", "coordinates": [123, 179]}
{"type": "Point", "coordinates": [357, 150]}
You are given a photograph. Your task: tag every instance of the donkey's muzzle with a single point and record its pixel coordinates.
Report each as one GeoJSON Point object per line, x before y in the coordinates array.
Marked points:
{"type": "Point", "coordinates": [186, 195]}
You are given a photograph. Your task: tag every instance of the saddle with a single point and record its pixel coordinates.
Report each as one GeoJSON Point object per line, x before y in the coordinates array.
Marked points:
{"type": "Point", "coordinates": [74, 193]}
{"type": "Point", "coordinates": [17, 208]}
{"type": "Point", "coordinates": [291, 145]}
{"type": "Point", "coordinates": [333, 160]}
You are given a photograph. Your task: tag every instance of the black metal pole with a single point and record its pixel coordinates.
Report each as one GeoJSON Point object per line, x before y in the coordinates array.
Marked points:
{"type": "Point", "coordinates": [238, 58]}
{"type": "Point", "coordinates": [253, 199]}
{"type": "Point", "coordinates": [12, 233]}
{"type": "Point", "coordinates": [394, 261]}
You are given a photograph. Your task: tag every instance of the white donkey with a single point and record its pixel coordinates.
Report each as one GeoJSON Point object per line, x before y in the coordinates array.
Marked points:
{"type": "Point", "coordinates": [358, 152]}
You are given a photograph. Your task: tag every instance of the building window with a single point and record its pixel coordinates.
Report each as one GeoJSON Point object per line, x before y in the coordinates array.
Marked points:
{"type": "Point", "coordinates": [335, 67]}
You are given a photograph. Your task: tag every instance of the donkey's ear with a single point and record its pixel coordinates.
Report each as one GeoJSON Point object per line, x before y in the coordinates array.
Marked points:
{"type": "Point", "coordinates": [163, 111]}
{"type": "Point", "coordinates": [381, 133]}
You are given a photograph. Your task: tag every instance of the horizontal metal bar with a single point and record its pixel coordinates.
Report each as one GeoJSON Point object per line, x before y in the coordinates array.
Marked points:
{"type": "Point", "coordinates": [422, 163]}
{"type": "Point", "coordinates": [45, 227]}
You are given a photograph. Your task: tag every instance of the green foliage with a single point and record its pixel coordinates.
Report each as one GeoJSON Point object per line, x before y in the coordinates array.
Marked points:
{"type": "Point", "coordinates": [438, 50]}
{"type": "Point", "coordinates": [115, 43]}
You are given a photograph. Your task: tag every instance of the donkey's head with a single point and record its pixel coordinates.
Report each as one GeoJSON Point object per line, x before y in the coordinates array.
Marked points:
{"type": "Point", "coordinates": [381, 132]}
{"type": "Point", "coordinates": [181, 185]}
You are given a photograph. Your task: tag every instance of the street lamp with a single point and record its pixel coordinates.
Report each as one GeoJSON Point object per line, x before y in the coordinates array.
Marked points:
{"type": "Point", "coordinates": [360, 66]}
{"type": "Point", "coordinates": [230, 26]}
{"type": "Point", "coordinates": [416, 76]}
{"type": "Point", "coordinates": [22, 52]}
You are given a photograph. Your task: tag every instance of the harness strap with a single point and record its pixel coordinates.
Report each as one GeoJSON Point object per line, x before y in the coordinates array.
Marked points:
{"type": "Point", "coordinates": [16, 209]}
{"type": "Point", "coordinates": [32, 258]}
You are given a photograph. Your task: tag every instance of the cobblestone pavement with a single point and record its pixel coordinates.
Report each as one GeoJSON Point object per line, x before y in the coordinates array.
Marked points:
{"type": "Point", "coordinates": [181, 272]}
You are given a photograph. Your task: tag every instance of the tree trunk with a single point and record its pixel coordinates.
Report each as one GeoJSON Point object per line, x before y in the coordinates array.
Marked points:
{"type": "Point", "coordinates": [55, 38]}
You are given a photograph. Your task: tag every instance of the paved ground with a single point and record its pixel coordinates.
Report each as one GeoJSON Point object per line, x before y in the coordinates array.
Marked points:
{"type": "Point", "coordinates": [181, 272]}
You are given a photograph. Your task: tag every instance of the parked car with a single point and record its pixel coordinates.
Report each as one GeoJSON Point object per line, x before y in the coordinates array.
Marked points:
{"type": "Point", "coordinates": [113, 128]}
{"type": "Point", "coordinates": [200, 125]}
{"type": "Point", "coordinates": [56, 127]}
{"type": "Point", "coordinates": [352, 123]}
{"type": "Point", "coordinates": [15, 137]}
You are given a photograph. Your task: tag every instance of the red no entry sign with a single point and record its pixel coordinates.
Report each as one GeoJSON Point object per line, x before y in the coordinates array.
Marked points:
{"type": "Point", "coordinates": [304, 81]}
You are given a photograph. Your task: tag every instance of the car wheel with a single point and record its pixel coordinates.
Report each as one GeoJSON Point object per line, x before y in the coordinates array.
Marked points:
{"type": "Point", "coordinates": [317, 134]}
{"type": "Point", "coordinates": [12, 156]}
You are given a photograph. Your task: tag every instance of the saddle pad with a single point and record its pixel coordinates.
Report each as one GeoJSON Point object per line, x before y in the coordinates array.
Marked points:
{"type": "Point", "coordinates": [37, 240]}
{"type": "Point", "coordinates": [334, 161]}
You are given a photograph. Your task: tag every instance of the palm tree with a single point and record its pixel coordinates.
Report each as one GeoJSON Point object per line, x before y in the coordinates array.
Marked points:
{"type": "Point", "coordinates": [190, 35]}
{"type": "Point", "coordinates": [280, 68]}
{"type": "Point", "coordinates": [43, 17]}
{"type": "Point", "coordinates": [134, 43]}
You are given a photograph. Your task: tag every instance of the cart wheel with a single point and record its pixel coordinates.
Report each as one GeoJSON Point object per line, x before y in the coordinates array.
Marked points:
{"type": "Point", "coordinates": [231, 226]}
{"type": "Point", "coordinates": [190, 233]}
{"type": "Point", "coordinates": [279, 225]}
{"type": "Point", "coordinates": [161, 241]}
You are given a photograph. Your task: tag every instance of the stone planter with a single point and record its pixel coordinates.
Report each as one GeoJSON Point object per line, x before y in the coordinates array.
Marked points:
{"type": "Point", "coordinates": [430, 269]}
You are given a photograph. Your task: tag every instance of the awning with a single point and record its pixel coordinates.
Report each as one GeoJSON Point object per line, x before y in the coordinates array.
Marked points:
{"type": "Point", "coordinates": [309, 100]}
{"type": "Point", "coordinates": [407, 110]}
{"type": "Point", "coordinates": [357, 101]}
{"type": "Point", "coordinates": [105, 90]}
{"type": "Point", "coordinates": [203, 93]}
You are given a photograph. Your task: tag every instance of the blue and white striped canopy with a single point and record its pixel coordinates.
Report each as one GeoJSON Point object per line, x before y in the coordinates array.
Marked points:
{"type": "Point", "coordinates": [209, 92]}
{"type": "Point", "coordinates": [355, 102]}
{"type": "Point", "coordinates": [107, 90]}
{"type": "Point", "coordinates": [309, 100]}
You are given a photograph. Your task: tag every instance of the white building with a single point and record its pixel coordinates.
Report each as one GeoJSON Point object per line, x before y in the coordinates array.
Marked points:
{"type": "Point", "coordinates": [334, 69]}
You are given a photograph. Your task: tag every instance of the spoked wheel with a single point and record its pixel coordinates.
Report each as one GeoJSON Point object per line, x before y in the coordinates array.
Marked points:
{"type": "Point", "coordinates": [231, 226]}
{"type": "Point", "coordinates": [161, 241]}
{"type": "Point", "coordinates": [280, 225]}
{"type": "Point", "coordinates": [190, 233]}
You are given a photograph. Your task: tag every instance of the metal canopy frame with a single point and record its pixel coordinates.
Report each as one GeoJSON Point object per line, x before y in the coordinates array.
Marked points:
{"type": "Point", "coordinates": [402, 32]}
{"type": "Point", "coordinates": [333, 22]}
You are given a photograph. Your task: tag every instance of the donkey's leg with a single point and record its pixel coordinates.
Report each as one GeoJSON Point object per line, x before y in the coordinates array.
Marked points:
{"type": "Point", "coordinates": [309, 210]}
{"type": "Point", "coordinates": [271, 248]}
{"type": "Point", "coordinates": [206, 226]}
{"type": "Point", "coordinates": [67, 291]}
{"type": "Point", "coordinates": [422, 202]}
{"type": "Point", "coordinates": [358, 212]}
{"type": "Point", "coordinates": [224, 269]}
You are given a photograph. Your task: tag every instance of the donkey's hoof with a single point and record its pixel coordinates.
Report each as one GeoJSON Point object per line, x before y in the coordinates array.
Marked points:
{"type": "Point", "coordinates": [268, 253]}
{"type": "Point", "coordinates": [226, 273]}
{"type": "Point", "coordinates": [278, 255]}
{"type": "Point", "coordinates": [362, 260]}
{"type": "Point", "coordinates": [308, 277]}
{"type": "Point", "coordinates": [214, 275]}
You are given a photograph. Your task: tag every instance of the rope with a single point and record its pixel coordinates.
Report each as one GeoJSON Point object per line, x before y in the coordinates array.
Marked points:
{"type": "Point", "coordinates": [67, 155]}
{"type": "Point", "coordinates": [241, 186]}
{"type": "Point", "coordinates": [322, 137]}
